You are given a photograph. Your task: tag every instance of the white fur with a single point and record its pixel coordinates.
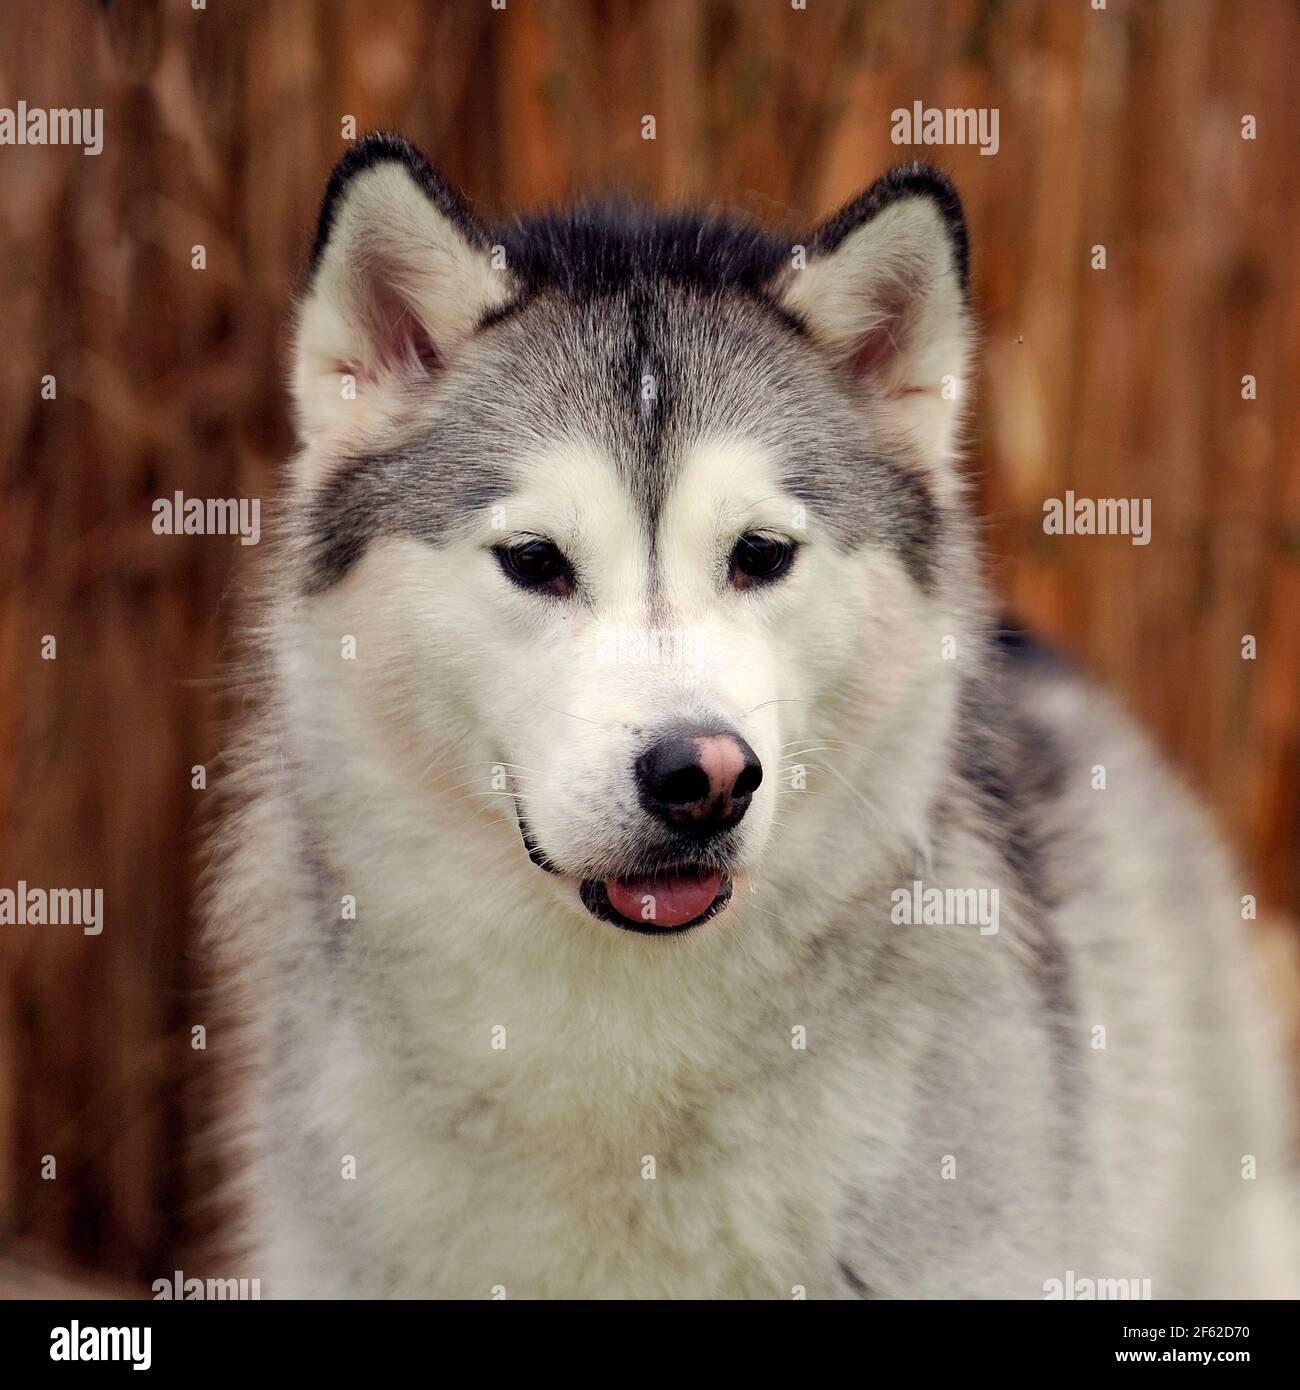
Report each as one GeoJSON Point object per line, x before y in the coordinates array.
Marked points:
{"type": "Point", "coordinates": [526, 1168]}
{"type": "Point", "coordinates": [523, 1167]}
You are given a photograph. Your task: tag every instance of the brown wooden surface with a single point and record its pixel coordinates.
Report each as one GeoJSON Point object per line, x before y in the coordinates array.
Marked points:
{"type": "Point", "coordinates": [1119, 127]}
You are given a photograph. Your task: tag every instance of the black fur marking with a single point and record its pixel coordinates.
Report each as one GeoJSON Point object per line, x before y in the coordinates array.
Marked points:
{"type": "Point", "coordinates": [647, 369]}
{"type": "Point", "coordinates": [501, 314]}
{"type": "Point", "coordinates": [1017, 782]}
{"type": "Point", "coordinates": [535, 852]}
{"type": "Point", "coordinates": [860, 1290]}
{"type": "Point", "coordinates": [890, 504]}
{"type": "Point", "coordinates": [619, 250]}
{"type": "Point", "coordinates": [327, 901]}
{"type": "Point", "coordinates": [383, 147]}
{"type": "Point", "coordinates": [1015, 767]}
{"type": "Point", "coordinates": [906, 181]}
{"type": "Point", "coordinates": [910, 521]}
{"type": "Point", "coordinates": [339, 522]}
{"type": "Point", "coordinates": [1013, 764]}
{"type": "Point", "coordinates": [1026, 652]}
{"type": "Point", "coordinates": [412, 492]}
{"type": "Point", "coordinates": [794, 322]}
{"type": "Point", "coordinates": [599, 249]}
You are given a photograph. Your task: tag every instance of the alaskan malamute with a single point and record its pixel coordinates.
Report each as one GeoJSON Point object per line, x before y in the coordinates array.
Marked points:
{"type": "Point", "coordinates": [654, 873]}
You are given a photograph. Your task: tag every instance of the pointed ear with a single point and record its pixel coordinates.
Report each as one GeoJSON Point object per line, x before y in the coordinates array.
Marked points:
{"type": "Point", "coordinates": [400, 278]}
{"type": "Point", "coordinates": [884, 293]}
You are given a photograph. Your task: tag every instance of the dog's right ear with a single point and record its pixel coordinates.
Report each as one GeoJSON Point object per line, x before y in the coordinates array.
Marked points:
{"type": "Point", "coordinates": [400, 277]}
{"type": "Point", "coordinates": [884, 294]}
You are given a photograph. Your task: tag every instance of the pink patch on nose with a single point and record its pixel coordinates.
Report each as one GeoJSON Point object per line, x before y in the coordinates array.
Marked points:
{"type": "Point", "coordinates": [722, 762]}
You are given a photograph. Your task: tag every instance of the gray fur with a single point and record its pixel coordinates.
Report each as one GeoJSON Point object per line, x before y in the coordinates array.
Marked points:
{"type": "Point", "coordinates": [719, 362]}
{"type": "Point", "coordinates": [951, 1127]}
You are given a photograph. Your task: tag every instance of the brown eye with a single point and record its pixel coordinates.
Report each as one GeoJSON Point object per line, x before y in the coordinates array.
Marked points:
{"type": "Point", "coordinates": [760, 559]}
{"type": "Point", "coordinates": [536, 565]}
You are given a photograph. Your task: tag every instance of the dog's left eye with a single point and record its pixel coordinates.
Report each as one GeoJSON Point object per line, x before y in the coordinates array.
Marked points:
{"type": "Point", "coordinates": [537, 565]}
{"type": "Point", "coordinates": [759, 559]}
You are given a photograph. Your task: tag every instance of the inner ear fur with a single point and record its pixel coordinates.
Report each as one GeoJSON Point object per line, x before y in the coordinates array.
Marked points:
{"type": "Point", "coordinates": [885, 294]}
{"type": "Point", "coordinates": [399, 278]}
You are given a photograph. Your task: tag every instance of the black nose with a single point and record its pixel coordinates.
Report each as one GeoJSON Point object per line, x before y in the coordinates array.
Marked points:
{"type": "Point", "coordinates": [700, 781]}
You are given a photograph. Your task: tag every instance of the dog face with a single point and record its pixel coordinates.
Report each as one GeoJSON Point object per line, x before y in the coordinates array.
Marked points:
{"type": "Point", "coordinates": [623, 512]}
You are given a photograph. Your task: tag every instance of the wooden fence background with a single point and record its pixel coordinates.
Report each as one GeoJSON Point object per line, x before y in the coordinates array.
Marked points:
{"type": "Point", "coordinates": [1119, 127]}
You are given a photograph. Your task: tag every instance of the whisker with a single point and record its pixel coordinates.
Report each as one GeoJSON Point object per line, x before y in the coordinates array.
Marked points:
{"type": "Point", "coordinates": [874, 811]}
{"type": "Point", "coordinates": [581, 717]}
{"type": "Point", "coordinates": [781, 700]}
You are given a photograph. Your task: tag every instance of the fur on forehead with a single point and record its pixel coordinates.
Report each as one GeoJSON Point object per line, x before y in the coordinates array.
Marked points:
{"type": "Point", "coordinates": [596, 249]}
{"type": "Point", "coordinates": [407, 295]}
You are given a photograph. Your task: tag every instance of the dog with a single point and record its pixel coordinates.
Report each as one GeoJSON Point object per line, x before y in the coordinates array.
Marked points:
{"type": "Point", "coordinates": [650, 870]}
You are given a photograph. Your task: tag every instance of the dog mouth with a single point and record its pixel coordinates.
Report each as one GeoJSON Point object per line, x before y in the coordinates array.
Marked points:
{"type": "Point", "coordinates": [672, 900]}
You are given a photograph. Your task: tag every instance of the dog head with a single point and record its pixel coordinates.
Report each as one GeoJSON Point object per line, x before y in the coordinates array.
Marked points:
{"type": "Point", "coordinates": [631, 518]}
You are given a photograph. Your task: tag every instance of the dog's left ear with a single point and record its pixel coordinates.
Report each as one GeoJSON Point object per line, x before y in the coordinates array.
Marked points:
{"type": "Point", "coordinates": [401, 277]}
{"type": "Point", "coordinates": [884, 293]}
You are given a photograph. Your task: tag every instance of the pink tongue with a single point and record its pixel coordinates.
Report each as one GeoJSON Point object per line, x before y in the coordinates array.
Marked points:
{"type": "Point", "coordinates": [665, 902]}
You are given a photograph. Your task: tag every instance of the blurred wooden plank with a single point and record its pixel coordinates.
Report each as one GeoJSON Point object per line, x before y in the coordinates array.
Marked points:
{"type": "Point", "coordinates": [1119, 127]}
{"type": "Point", "coordinates": [29, 1272]}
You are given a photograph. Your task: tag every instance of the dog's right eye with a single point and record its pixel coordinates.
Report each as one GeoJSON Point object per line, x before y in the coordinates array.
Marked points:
{"type": "Point", "coordinates": [537, 565]}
